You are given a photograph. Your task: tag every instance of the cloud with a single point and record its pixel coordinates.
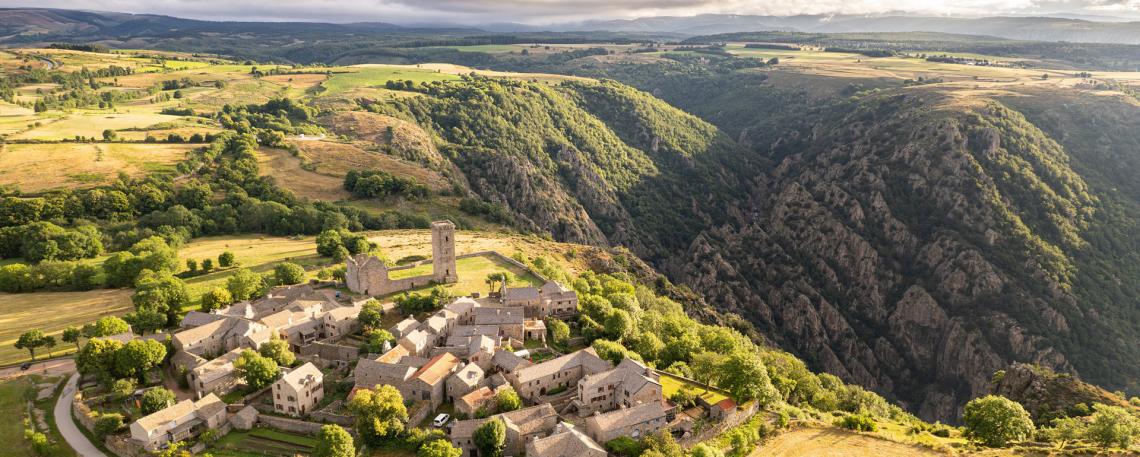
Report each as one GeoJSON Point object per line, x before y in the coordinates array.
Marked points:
{"type": "Point", "coordinates": [543, 12]}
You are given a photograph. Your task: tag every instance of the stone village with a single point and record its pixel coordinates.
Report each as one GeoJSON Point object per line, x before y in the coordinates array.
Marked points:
{"type": "Point", "coordinates": [463, 355]}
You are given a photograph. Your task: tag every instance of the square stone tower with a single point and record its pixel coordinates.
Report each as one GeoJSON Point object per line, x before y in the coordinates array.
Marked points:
{"type": "Point", "coordinates": [443, 251]}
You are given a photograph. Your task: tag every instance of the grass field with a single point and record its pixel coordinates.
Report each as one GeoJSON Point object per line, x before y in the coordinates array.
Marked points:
{"type": "Point", "coordinates": [336, 159]}
{"type": "Point", "coordinates": [13, 408]}
{"type": "Point", "coordinates": [93, 125]}
{"type": "Point", "coordinates": [472, 272]}
{"type": "Point", "coordinates": [51, 313]}
{"type": "Point", "coordinates": [818, 441]}
{"type": "Point", "coordinates": [378, 75]}
{"type": "Point", "coordinates": [37, 167]}
{"type": "Point", "coordinates": [670, 386]}
{"type": "Point", "coordinates": [258, 253]}
{"type": "Point", "coordinates": [262, 442]}
{"type": "Point", "coordinates": [280, 164]}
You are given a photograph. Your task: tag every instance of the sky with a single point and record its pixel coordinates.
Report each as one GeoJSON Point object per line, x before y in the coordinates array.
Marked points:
{"type": "Point", "coordinates": [562, 12]}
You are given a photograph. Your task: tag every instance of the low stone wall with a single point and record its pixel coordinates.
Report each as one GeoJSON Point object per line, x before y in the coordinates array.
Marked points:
{"type": "Point", "coordinates": [123, 447]}
{"type": "Point", "coordinates": [325, 415]}
{"type": "Point", "coordinates": [420, 414]}
{"type": "Point", "coordinates": [290, 425]}
{"type": "Point", "coordinates": [82, 412]}
{"type": "Point", "coordinates": [734, 419]}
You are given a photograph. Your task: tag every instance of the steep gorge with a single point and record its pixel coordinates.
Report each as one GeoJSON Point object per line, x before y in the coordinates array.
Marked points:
{"type": "Point", "coordinates": [911, 241]}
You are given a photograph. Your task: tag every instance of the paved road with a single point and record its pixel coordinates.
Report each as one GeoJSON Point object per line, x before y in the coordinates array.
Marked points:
{"type": "Point", "coordinates": [67, 427]}
{"type": "Point", "coordinates": [53, 366]}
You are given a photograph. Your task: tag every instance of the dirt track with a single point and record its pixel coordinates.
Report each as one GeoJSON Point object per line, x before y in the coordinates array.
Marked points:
{"type": "Point", "coordinates": [810, 441]}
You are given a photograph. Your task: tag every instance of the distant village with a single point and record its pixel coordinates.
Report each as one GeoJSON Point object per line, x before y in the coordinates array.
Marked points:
{"type": "Point", "coordinates": [464, 354]}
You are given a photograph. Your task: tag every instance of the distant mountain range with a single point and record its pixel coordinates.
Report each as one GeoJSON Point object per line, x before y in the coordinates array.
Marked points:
{"type": "Point", "coordinates": [29, 25]}
{"type": "Point", "coordinates": [1015, 28]}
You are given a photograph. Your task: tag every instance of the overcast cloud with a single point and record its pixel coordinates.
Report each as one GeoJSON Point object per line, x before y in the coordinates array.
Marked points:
{"type": "Point", "coordinates": [546, 12]}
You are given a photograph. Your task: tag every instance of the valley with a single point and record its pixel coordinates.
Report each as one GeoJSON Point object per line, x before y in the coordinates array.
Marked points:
{"type": "Point", "coordinates": [885, 232]}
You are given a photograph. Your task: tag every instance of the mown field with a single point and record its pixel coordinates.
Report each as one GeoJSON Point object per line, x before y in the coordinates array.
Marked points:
{"type": "Point", "coordinates": [38, 167]}
{"type": "Point", "coordinates": [51, 313]}
{"type": "Point", "coordinates": [831, 442]}
{"type": "Point", "coordinates": [92, 125]}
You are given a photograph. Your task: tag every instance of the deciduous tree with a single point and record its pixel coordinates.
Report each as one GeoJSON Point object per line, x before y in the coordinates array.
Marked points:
{"type": "Point", "coordinates": [490, 438]}
{"type": "Point", "coordinates": [31, 340]}
{"type": "Point", "coordinates": [288, 273]}
{"type": "Point", "coordinates": [333, 441]}
{"type": "Point", "coordinates": [994, 421]}
{"type": "Point", "coordinates": [277, 350]}
{"type": "Point", "coordinates": [257, 371]}
{"type": "Point", "coordinates": [156, 400]}
{"type": "Point", "coordinates": [380, 415]}
{"type": "Point", "coordinates": [71, 335]}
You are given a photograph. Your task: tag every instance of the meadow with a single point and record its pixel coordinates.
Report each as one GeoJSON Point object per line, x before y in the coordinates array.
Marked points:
{"type": "Point", "coordinates": [92, 125]}
{"type": "Point", "coordinates": [377, 76]}
{"type": "Point", "coordinates": [38, 167]}
{"type": "Point", "coordinates": [804, 441]}
{"type": "Point", "coordinates": [51, 313]}
{"type": "Point", "coordinates": [287, 170]}
{"type": "Point", "coordinates": [336, 159]}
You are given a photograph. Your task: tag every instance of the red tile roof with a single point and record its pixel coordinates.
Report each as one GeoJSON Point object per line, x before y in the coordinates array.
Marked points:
{"type": "Point", "coordinates": [726, 404]}
{"type": "Point", "coordinates": [436, 369]}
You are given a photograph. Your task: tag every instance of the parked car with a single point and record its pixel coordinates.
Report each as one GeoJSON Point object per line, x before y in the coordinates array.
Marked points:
{"type": "Point", "coordinates": [441, 420]}
{"type": "Point", "coordinates": [24, 366]}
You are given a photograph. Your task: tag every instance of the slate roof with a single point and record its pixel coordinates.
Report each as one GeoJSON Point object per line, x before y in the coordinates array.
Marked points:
{"type": "Point", "coordinates": [186, 359]}
{"type": "Point", "coordinates": [477, 397]}
{"type": "Point", "coordinates": [568, 443]}
{"type": "Point", "coordinates": [404, 326]}
{"type": "Point", "coordinates": [217, 368]}
{"type": "Point", "coordinates": [208, 406]}
{"type": "Point", "coordinates": [530, 420]}
{"type": "Point", "coordinates": [586, 358]}
{"type": "Point", "coordinates": [498, 319]}
{"type": "Point", "coordinates": [624, 417]}
{"type": "Point", "coordinates": [302, 376]}
{"type": "Point", "coordinates": [370, 372]}
{"type": "Point", "coordinates": [508, 361]}
{"type": "Point", "coordinates": [475, 330]}
{"type": "Point", "coordinates": [520, 293]}
{"type": "Point", "coordinates": [196, 334]}
{"type": "Point", "coordinates": [198, 319]}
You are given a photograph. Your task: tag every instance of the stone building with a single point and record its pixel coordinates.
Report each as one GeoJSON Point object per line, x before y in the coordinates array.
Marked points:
{"type": "Point", "coordinates": [534, 381]}
{"type": "Point", "coordinates": [634, 422]}
{"type": "Point", "coordinates": [628, 384]}
{"type": "Point", "coordinates": [182, 421]}
{"type": "Point", "coordinates": [215, 376]}
{"type": "Point", "coordinates": [465, 380]}
{"type": "Point", "coordinates": [565, 441]}
{"type": "Point", "coordinates": [296, 392]}
{"type": "Point", "coordinates": [522, 426]}
{"type": "Point", "coordinates": [368, 275]}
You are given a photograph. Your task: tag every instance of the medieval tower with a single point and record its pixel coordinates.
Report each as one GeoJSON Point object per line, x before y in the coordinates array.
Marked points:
{"type": "Point", "coordinates": [443, 251]}
{"type": "Point", "coordinates": [367, 274]}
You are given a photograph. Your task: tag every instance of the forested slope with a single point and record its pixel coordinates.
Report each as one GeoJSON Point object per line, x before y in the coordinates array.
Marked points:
{"type": "Point", "coordinates": [911, 241]}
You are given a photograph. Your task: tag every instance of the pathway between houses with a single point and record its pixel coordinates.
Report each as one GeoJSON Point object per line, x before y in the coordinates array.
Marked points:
{"type": "Point", "coordinates": [67, 426]}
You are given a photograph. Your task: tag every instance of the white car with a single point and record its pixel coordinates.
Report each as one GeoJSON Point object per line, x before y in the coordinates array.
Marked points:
{"type": "Point", "coordinates": [441, 420]}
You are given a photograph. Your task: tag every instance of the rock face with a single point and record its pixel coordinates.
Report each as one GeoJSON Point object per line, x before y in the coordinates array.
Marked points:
{"type": "Point", "coordinates": [1041, 391]}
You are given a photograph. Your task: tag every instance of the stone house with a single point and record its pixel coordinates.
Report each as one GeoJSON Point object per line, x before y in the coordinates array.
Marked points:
{"type": "Point", "coordinates": [628, 384]}
{"type": "Point", "coordinates": [465, 380]}
{"type": "Point", "coordinates": [340, 321]}
{"type": "Point", "coordinates": [215, 376]}
{"type": "Point", "coordinates": [522, 426]}
{"type": "Point", "coordinates": [182, 421]}
{"type": "Point", "coordinates": [476, 349]}
{"type": "Point", "coordinates": [565, 441]}
{"type": "Point", "coordinates": [507, 362]}
{"type": "Point", "coordinates": [299, 390]}
{"type": "Point", "coordinates": [463, 308]}
{"type": "Point", "coordinates": [483, 397]}
{"type": "Point", "coordinates": [526, 298]}
{"type": "Point", "coordinates": [404, 327]}
{"type": "Point", "coordinates": [370, 373]}
{"type": "Point", "coordinates": [534, 381]}
{"type": "Point", "coordinates": [510, 322]}
{"type": "Point", "coordinates": [224, 334]}
{"type": "Point", "coordinates": [535, 330]}
{"type": "Point", "coordinates": [722, 409]}
{"type": "Point", "coordinates": [430, 382]}
{"type": "Point", "coordinates": [557, 300]}
{"type": "Point", "coordinates": [634, 422]}
{"type": "Point", "coordinates": [417, 343]}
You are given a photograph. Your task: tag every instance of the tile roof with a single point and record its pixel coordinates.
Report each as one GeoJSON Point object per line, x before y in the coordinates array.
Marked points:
{"type": "Point", "coordinates": [586, 358]}
{"type": "Point", "coordinates": [437, 369]}
{"type": "Point", "coordinates": [217, 368]}
{"type": "Point", "coordinates": [624, 417]}
{"type": "Point", "coordinates": [520, 293]}
{"type": "Point", "coordinates": [498, 319]}
{"type": "Point", "coordinates": [369, 373]}
{"type": "Point", "coordinates": [477, 397]}
{"type": "Point", "coordinates": [529, 420]}
{"type": "Point", "coordinates": [186, 359]}
{"type": "Point", "coordinates": [508, 361]}
{"type": "Point", "coordinates": [393, 355]}
{"type": "Point", "coordinates": [474, 330]}
{"type": "Point", "coordinates": [726, 404]}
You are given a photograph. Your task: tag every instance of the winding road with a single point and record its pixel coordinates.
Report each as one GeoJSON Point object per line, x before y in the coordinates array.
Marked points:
{"type": "Point", "coordinates": [67, 426]}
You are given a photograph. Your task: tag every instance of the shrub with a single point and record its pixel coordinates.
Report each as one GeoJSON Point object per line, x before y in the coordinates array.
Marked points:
{"type": "Point", "coordinates": [288, 273]}
{"type": "Point", "coordinates": [857, 422]}
{"type": "Point", "coordinates": [106, 425]}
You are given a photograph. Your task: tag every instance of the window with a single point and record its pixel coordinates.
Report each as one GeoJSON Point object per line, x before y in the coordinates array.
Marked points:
{"type": "Point", "coordinates": [278, 396]}
{"type": "Point", "coordinates": [280, 407]}
{"type": "Point", "coordinates": [292, 409]}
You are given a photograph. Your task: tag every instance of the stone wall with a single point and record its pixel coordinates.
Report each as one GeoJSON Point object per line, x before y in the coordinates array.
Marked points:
{"type": "Point", "coordinates": [733, 419]}
{"type": "Point", "coordinates": [422, 409]}
{"type": "Point", "coordinates": [82, 412]}
{"type": "Point", "coordinates": [123, 447]}
{"type": "Point", "coordinates": [290, 425]}
{"type": "Point", "coordinates": [505, 259]}
{"type": "Point", "coordinates": [325, 414]}
{"type": "Point", "coordinates": [330, 351]}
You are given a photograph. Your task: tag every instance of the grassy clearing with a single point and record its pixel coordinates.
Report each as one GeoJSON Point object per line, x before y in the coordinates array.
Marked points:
{"type": "Point", "coordinates": [12, 407]}
{"type": "Point", "coordinates": [377, 76]}
{"type": "Point", "coordinates": [816, 441]}
{"type": "Point", "coordinates": [92, 125]}
{"type": "Point", "coordinates": [472, 272]}
{"type": "Point", "coordinates": [336, 159]}
{"type": "Point", "coordinates": [670, 386]}
{"type": "Point", "coordinates": [258, 253]}
{"type": "Point", "coordinates": [52, 312]}
{"type": "Point", "coordinates": [38, 167]}
{"type": "Point", "coordinates": [280, 164]}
